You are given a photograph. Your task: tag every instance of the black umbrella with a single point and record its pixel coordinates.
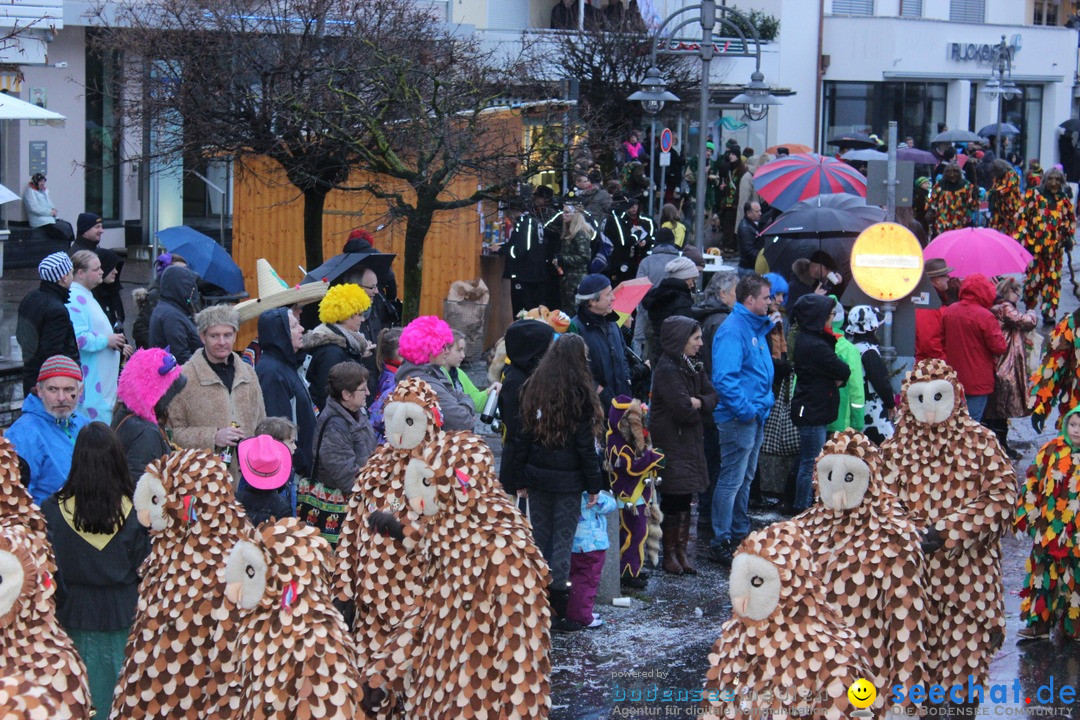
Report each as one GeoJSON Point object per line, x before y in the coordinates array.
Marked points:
{"type": "Point", "coordinates": [781, 252]}
{"type": "Point", "coordinates": [852, 140]}
{"type": "Point", "coordinates": [335, 267]}
{"type": "Point", "coordinates": [828, 214]}
{"type": "Point", "coordinates": [951, 136]}
{"type": "Point", "coordinates": [1071, 125]}
{"type": "Point", "coordinates": [996, 129]}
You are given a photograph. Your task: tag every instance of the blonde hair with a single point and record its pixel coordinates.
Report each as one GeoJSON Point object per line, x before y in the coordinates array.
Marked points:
{"type": "Point", "coordinates": [1007, 284]}
{"type": "Point", "coordinates": [576, 224]}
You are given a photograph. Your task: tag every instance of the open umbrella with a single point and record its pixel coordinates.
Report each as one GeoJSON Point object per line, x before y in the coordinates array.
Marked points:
{"type": "Point", "coordinates": [792, 148]}
{"type": "Point", "coordinates": [865, 155]}
{"type": "Point", "coordinates": [781, 252]}
{"type": "Point", "coordinates": [999, 129]}
{"type": "Point", "coordinates": [628, 295]}
{"type": "Point", "coordinates": [851, 140]}
{"type": "Point", "coordinates": [915, 155]}
{"type": "Point", "coordinates": [204, 256]}
{"type": "Point", "coordinates": [979, 250]}
{"type": "Point", "coordinates": [1071, 125]}
{"type": "Point", "coordinates": [826, 215]}
{"type": "Point", "coordinates": [951, 136]}
{"type": "Point", "coordinates": [335, 267]}
{"type": "Point", "coordinates": [786, 181]}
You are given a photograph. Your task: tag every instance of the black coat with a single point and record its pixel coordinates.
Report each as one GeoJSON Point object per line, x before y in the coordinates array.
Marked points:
{"type": "Point", "coordinates": [677, 427]}
{"type": "Point", "coordinates": [710, 313]}
{"type": "Point", "coordinates": [143, 441]}
{"type": "Point", "coordinates": [171, 323]}
{"type": "Point", "coordinates": [816, 400]}
{"type": "Point", "coordinates": [572, 468]}
{"type": "Point", "coordinates": [262, 505]}
{"type": "Point", "coordinates": [44, 329]}
{"type": "Point", "coordinates": [528, 253]}
{"type": "Point", "coordinates": [672, 297]}
{"type": "Point", "coordinates": [284, 393]}
{"type": "Point", "coordinates": [327, 347]}
{"type": "Point", "coordinates": [749, 244]}
{"type": "Point", "coordinates": [526, 342]}
{"type": "Point", "coordinates": [607, 354]}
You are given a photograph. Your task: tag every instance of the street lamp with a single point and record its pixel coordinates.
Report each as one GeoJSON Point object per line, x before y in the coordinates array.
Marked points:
{"type": "Point", "coordinates": [1001, 87]}
{"type": "Point", "coordinates": [652, 96]}
{"type": "Point", "coordinates": [756, 97]}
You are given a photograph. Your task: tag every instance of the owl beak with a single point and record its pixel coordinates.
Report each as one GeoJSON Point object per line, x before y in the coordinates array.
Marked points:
{"type": "Point", "coordinates": [143, 517]}
{"type": "Point", "coordinates": [417, 504]}
{"type": "Point", "coordinates": [838, 500]}
{"type": "Point", "coordinates": [233, 592]}
{"type": "Point", "coordinates": [740, 603]}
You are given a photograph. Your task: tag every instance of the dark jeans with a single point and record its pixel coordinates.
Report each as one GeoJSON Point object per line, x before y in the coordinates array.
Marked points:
{"type": "Point", "coordinates": [712, 464]}
{"type": "Point", "coordinates": [554, 519]}
{"type": "Point", "coordinates": [811, 440]}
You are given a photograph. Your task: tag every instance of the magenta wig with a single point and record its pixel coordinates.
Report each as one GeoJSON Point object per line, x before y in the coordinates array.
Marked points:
{"type": "Point", "coordinates": [146, 377]}
{"type": "Point", "coordinates": [424, 338]}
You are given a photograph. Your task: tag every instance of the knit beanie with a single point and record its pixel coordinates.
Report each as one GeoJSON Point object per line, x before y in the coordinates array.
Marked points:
{"type": "Point", "coordinates": [145, 379]}
{"type": "Point", "coordinates": [59, 366]}
{"type": "Point", "coordinates": [681, 268]}
{"type": "Point", "coordinates": [54, 267]}
{"type": "Point", "coordinates": [85, 222]}
{"type": "Point", "coordinates": [342, 302]}
{"type": "Point", "coordinates": [693, 255]}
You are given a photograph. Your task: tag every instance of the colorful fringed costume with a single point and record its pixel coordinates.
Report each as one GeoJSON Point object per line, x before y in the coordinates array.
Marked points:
{"type": "Point", "coordinates": [952, 206]}
{"type": "Point", "coordinates": [632, 463]}
{"type": "Point", "coordinates": [1056, 379]}
{"type": "Point", "coordinates": [1047, 225]}
{"type": "Point", "coordinates": [1005, 204]}
{"type": "Point", "coordinates": [1046, 510]}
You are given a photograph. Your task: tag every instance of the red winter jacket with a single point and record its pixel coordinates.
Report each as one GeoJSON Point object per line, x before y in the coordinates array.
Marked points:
{"type": "Point", "coordinates": [929, 339]}
{"type": "Point", "coordinates": [973, 336]}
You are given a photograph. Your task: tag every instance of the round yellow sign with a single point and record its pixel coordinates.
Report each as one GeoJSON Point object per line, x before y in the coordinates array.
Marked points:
{"type": "Point", "coordinates": [887, 261]}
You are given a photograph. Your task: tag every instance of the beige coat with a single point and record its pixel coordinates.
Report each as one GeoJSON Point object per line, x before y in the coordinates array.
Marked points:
{"type": "Point", "coordinates": [204, 405]}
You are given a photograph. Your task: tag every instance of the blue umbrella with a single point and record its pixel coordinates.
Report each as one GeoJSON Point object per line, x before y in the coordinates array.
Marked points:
{"type": "Point", "coordinates": [996, 128]}
{"type": "Point", "coordinates": [204, 256]}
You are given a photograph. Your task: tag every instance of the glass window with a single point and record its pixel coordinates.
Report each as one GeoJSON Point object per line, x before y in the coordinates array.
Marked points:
{"type": "Point", "coordinates": [911, 8]}
{"type": "Point", "coordinates": [972, 11]}
{"type": "Point", "coordinates": [853, 7]}
{"type": "Point", "coordinates": [102, 133]}
{"type": "Point", "coordinates": [1046, 12]}
{"type": "Point", "coordinates": [1025, 112]}
{"type": "Point", "coordinates": [868, 107]}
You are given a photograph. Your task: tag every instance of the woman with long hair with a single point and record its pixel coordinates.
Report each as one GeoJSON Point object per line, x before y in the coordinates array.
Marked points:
{"type": "Point", "coordinates": [672, 219]}
{"type": "Point", "coordinates": [577, 240]}
{"type": "Point", "coordinates": [557, 460]}
{"type": "Point", "coordinates": [1010, 398]}
{"type": "Point", "coordinates": [99, 545]}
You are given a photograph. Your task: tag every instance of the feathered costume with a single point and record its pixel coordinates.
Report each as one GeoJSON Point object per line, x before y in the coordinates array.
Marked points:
{"type": "Point", "coordinates": [1057, 381]}
{"type": "Point", "coordinates": [1047, 226]}
{"type": "Point", "coordinates": [952, 205]}
{"type": "Point", "coordinates": [1005, 202]}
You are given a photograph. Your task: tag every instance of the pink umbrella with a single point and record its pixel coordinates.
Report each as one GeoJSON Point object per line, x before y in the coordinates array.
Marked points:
{"type": "Point", "coordinates": [979, 250]}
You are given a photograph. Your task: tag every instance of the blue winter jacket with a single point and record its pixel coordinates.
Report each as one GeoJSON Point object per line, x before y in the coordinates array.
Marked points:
{"type": "Point", "coordinates": [284, 392]}
{"type": "Point", "coordinates": [46, 444]}
{"type": "Point", "coordinates": [607, 354]}
{"type": "Point", "coordinates": [591, 533]}
{"type": "Point", "coordinates": [742, 367]}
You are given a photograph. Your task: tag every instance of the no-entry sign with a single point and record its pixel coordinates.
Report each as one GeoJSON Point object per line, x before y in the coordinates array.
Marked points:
{"type": "Point", "coordinates": [665, 140]}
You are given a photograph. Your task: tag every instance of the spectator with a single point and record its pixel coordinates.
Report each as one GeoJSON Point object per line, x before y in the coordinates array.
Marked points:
{"type": "Point", "coordinates": [863, 322]}
{"type": "Point", "coordinates": [811, 275]}
{"type": "Point", "coordinates": [929, 334]}
{"type": "Point", "coordinates": [43, 328]}
{"type": "Point", "coordinates": [653, 266]}
{"type": "Point", "coordinates": [265, 467]}
{"type": "Point", "coordinates": [284, 431]}
{"type": "Point", "coordinates": [222, 403]}
{"type": "Point", "coordinates": [556, 459]}
{"type": "Point", "coordinates": [595, 323]}
{"type": "Point", "coordinates": [528, 259]}
{"type": "Point", "coordinates": [682, 396]}
{"type": "Point", "coordinates": [108, 292]}
{"type": "Point", "coordinates": [40, 212]}
{"type": "Point", "coordinates": [973, 340]}
{"type": "Point", "coordinates": [672, 219]}
{"type": "Point", "coordinates": [344, 437]}
{"type": "Point", "coordinates": [1010, 396]}
{"type": "Point", "coordinates": [284, 393]}
{"type": "Point", "coordinates": [526, 342]}
{"type": "Point", "coordinates": [594, 199]}
{"type": "Point", "coordinates": [853, 392]}
{"type": "Point", "coordinates": [88, 232]}
{"type": "Point", "coordinates": [171, 323]}
{"type": "Point", "coordinates": [587, 559]}
{"type": "Point", "coordinates": [44, 435]}
{"type": "Point", "coordinates": [674, 296]}
{"type": "Point", "coordinates": [746, 185]}
{"type": "Point", "coordinates": [384, 299]}
{"type": "Point", "coordinates": [564, 16]}
{"type": "Point", "coordinates": [337, 339]}
{"type": "Point", "coordinates": [146, 299]}
{"type": "Point", "coordinates": [389, 361]}
{"type": "Point", "coordinates": [450, 364]}
{"type": "Point", "coordinates": [743, 376]}
{"type": "Point", "coordinates": [425, 344]}
{"type": "Point", "coordinates": [747, 235]}
{"type": "Point", "coordinates": [574, 255]}
{"type": "Point", "coordinates": [149, 382]}
{"type": "Point", "coordinates": [631, 235]}
{"type": "Point", "coordinates": [819, 373]}
{"type": "Point", "coordinates": [99, 545]}
{"type": "Point", "coordinates": [100, 348]}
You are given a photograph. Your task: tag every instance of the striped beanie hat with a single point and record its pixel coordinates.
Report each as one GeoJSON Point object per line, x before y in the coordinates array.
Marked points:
{"type": "Point", "coordinates": [54, 267]}
{"type": "Point", "coordinates": [59, 366]}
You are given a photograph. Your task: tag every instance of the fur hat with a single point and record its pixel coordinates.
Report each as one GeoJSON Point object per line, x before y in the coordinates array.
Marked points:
{"type": "Point", "coordinates": [681, 268]}
{"type": "Point", "coordinates": [342, 302]}
{"type": "Point", "coordinates": [146, 378]}
{"type": "Point", "coordinates": [424, 338]}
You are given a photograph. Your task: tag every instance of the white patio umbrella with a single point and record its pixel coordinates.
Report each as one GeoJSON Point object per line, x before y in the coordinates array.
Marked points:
{"type": "Point", "coordinates": [12, 108]}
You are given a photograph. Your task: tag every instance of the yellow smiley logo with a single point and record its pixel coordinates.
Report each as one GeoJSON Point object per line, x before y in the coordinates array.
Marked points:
{"type": "Point", "coordinates": [861, 693]}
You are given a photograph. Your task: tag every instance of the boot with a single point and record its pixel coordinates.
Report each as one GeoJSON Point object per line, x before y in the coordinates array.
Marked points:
{"type": "Point", "coordinates": [558, 598]}
{"type": "Point", "coordinates": [684, 519]}
{"type": "Point", "coordinates": [670, 526]}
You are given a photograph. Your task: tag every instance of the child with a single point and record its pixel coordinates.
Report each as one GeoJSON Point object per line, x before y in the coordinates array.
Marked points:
{"type": "Point", "coordinates": [450, 362]}
{"type": "Point", "coordinates": [389, 360]}
{"type": "Point", "coordinates": [1047, 510]}
{"type": "Point", "coordinates": [587, 559]}
{"type": "Point", "coordinates": [282, 431]}
{"type": "Point", "coordinates": [862, 325]}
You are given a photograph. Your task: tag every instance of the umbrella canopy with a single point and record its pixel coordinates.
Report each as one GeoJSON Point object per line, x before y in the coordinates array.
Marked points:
{"type": "Point", "coordinates": [865, 155]}
{"type": "Point", "coordinates": [793, 148]}
{"type": "Point", "coordinates": [851, 140]}
{"type": "Point", "coordinates": [335, 267]}
{"type": "Point", "coordinates": [999, 129]}
{"type": "Point", "coordinates": [786, 181]}
{"type": "Point", "coordinates": [204, 256]}
{"type": "Point", "coordinates": [826, 215]}
{"type": "Point", "coordinates": [915, 155]}
{"type": "Point", "coordinates": [7, 195]}
{"type": "Point", "coordinates": [1071, 125]}
{"type": "Point", "coordinates": [979, 250]}
{"type": "Point", "coordinates": [951, 136]}
{"type": "Point", "coordinates": [628, 294]}
{"type": "Point", "coordinates": [12, 108]}
{"type": "Point", "coordinates": [781, 252]}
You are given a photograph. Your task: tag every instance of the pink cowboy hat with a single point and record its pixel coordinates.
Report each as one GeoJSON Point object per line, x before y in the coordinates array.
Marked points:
{"type": "Point", "coordinates": [264, 462]}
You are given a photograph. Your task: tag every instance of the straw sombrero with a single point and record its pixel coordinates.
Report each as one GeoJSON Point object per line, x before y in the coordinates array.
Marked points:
{"type": "Point", "coordinates": [275, 292]}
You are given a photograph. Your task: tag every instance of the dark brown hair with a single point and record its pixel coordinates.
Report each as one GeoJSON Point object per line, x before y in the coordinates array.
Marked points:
{"type": "Point", "coordinates": [561, 394]}
{"type": "Point", "coordinates": [345, 377]}
{"type": "Point", "coordinates": [98, 481]}
{"type": "Point", "coordinates": [387, 348]}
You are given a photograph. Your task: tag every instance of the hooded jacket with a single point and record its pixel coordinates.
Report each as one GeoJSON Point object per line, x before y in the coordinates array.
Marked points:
{"type": "Point", "coordinates": [973, 337]}
{"type": "Point", "coordinates": [743, 368]}
{"type": "Point", "coordinates": [108, 294]}
{"type": "Point", "coordinates": [526, 342]}
{"type": "Point", "coordinates": [284, 393]}
{"type": "Point", "coordinates": [676, 426]}
{"type": "Point", "coordinates": [44, 329]}
{"type": "Point", "coordinates": [710, 312]}
{"type": "Point", "coordinates": [46, 444]}
{"type": "Point", "coordinates": [672, 297]}
{"type": "Point", "coordinates": [850, 414]}
{"type": "Point", "coordinates": [818, 369]}
{"type": "Point", "coordinates": [457, 408]}
{"type": "Point", "coordinates": [171, 325]}
{"type": "Point", "coordinates": [327, 346]}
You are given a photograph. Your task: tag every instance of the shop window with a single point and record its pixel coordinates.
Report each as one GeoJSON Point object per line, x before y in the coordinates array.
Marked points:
{"type": "Point", "coordinates": [1046, 12]}
{"type": "Point", "coordinates": [102, 132]}
{"type": "Point", "coordinates": [971, 11]}
{"type": "Point", "coordinates": [853, 7]}
{"type": "Point", "coordinates": [911, 8]}
{"type": "Point", "coordinates": [868, 107]}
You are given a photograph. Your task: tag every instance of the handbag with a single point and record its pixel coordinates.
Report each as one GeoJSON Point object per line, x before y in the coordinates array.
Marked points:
{"type": "Point", "coordinates": [780, 435]}
{"type": "Point", "coordinates": [319, 506]}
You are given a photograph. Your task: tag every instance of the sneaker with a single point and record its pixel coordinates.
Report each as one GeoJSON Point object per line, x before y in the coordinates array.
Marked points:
{"type": "Point", "coordinates": [596, 622]}
{"type": "Point", "coordinates": [723, 554]}
{"type": "Point", "coordinates": [565, 625]}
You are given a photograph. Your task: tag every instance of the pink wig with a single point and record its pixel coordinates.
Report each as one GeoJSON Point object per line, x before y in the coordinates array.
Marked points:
{"type": "Point", "coordinates": [147, 376]}
{"type": "Point", "coordinates": [424, 338]}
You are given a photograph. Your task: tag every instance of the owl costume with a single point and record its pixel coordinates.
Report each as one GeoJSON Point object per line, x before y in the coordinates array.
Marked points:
{"type": "Point", "coordinates": [871, 563]}
{"type": "Point", "coordinates": [178, 662]}
{"type": "Point", "coordinates": [958, 487]}
{"type": "Point", "coordinates": [786, 648]}
{"type": "Point", "coordinates": [293, 654]}
{"type": "Point", "coordinates": [19, 698]}
{"type": "Point", "coordinates": [475, 641]}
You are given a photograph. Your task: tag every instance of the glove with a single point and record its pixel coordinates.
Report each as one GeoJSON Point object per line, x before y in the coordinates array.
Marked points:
{"type": "Point", "coordinates": [1038, 422]}
{"type": "Point", "coordinates": [386, 524]}
{"type": "Point", "coordinates": [931, 540]}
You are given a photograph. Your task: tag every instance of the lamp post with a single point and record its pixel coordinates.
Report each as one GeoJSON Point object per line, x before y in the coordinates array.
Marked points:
{"type": "Point", "coordinates": [1000, 87]}
{"type": "Point", "coordinates": [652, 96]}
{"type": "Point", "coordinates": [756, 96]}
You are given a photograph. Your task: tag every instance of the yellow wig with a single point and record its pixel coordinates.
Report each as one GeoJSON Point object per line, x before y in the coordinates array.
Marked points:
{"type": "Point", "coordinates": [342, 302]}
